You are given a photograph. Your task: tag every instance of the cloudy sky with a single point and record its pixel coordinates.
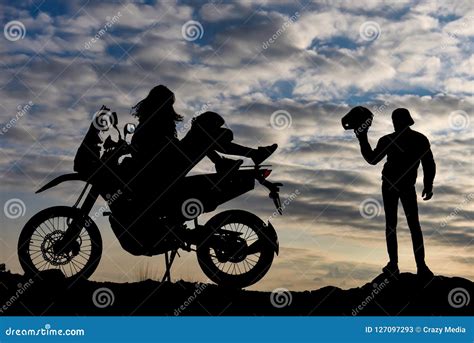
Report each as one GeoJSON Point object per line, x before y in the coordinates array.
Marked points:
{"type": "Point", "coordinates": [307, 63]}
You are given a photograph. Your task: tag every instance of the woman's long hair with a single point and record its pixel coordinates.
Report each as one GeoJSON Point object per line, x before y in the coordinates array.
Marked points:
{"type": "Point", "coordinates": [157, 108]}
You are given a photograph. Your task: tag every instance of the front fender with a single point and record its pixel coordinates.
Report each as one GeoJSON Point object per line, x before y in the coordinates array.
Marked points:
{"type": "Point", "coordinates": [60, 179]}
{"type": "Point", "coordinates": [272, 236]}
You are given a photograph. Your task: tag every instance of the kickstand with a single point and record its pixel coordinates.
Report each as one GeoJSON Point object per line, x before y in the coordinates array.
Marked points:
{"type": "Point", "coordinates": [169, 258]}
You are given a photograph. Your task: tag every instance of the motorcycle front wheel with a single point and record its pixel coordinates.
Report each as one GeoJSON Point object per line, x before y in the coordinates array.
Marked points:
{"type": "Point", "coordinates": [37, 239]}
{"type": "Point", "coordinates": [238, 253]}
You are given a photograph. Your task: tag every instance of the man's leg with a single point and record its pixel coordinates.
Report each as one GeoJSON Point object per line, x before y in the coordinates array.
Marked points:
{"type": "Point", "coordinates": [199, 143]}
{"type": "Point", "coordinates": [390, 202]}
{"type": "Point", "coordinates": [223, 165]}
{"type": "Point", "coordinates": [410, 206]}
{"type": "Point", "coordinates": [214, 156]}
{"type": "Point", "coordinates": [224, 144]}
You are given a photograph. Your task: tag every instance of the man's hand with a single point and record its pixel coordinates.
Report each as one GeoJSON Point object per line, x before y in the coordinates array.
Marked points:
{"type": "Point", "coordinates": [360, 133]}
{"type": "Point", "coordinates": [427, 193]}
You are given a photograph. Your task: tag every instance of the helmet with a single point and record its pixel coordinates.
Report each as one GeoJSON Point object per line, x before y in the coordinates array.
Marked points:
{"type": "Point", "coordinates": [358, 118]}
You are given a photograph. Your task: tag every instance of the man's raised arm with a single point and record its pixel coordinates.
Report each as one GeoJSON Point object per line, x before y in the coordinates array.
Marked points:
{"type": "Point", "coordinates": [371, 156]}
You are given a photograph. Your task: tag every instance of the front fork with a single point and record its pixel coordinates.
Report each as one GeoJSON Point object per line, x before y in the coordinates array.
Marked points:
{"type": "Point", "coordinates": [75, 227]}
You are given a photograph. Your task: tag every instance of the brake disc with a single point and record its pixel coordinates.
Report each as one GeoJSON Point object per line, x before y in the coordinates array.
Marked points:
{"type": "Point", "coordinates": [63, 258]}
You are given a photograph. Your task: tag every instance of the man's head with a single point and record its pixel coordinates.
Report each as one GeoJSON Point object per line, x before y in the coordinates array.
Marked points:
{"type": "Point", "coordinates": [401, 119]}
{"type": "Point", "coordinates": [209, 121]}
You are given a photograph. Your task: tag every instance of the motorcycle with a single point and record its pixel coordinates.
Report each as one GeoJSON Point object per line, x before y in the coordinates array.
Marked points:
{"type": "Point", "coordinates": [234, 248]}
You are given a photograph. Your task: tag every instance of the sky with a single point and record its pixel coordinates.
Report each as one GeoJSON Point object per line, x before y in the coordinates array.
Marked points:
{"type": "Point", "coordinates": [278, 72]}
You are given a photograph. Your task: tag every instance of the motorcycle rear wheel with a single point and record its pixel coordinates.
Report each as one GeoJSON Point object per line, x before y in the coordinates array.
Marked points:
{"type": "Point", "coordinates": [35, 245]}
{"type": "Point", "coordinates": [235, 274]}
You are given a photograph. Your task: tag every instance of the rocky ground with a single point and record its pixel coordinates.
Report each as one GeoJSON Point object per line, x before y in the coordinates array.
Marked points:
{"type": "Point", "coordinates": [49, 293]}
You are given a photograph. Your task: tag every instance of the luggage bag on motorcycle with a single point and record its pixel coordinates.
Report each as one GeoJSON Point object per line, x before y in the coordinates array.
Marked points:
{"type": "Point", "coordinates": [87, 159]}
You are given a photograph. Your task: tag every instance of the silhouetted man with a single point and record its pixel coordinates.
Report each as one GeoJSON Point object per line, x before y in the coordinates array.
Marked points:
{"type": "Point", "coordinates": [404, 148]}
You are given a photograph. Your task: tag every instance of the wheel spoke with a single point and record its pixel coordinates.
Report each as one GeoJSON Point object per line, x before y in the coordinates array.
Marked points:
{"type": "Point", "coordinates": [42, 231]}
{"type": "Point", "coordinates": [249, 259]}
{"type": "Point", "coordinates": [70, 268]}
{"type": "Point", "coordinates": [238, 267]}
{"type": "Point", "coordinates": [39, 256]}
{"type": "Point", "coordinates": [52, 223]}
{"type": "Point", "coordinates": [35, 246]}
{"type": "Point", "coordinates": [35, 252]}
{"type": "Point", "coordinates": [44, 264]}
{"type": "Point", "coordinates": [78, 264]}
{"type": "Point", "coordinates": [74, 265]}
